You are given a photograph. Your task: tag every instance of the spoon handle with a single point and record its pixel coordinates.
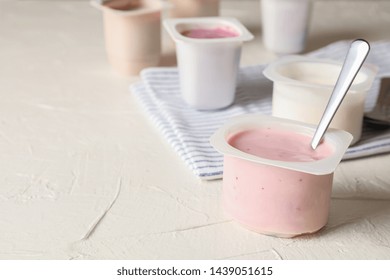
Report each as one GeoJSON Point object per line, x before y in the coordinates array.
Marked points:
{"type": "Point", "coordinates": [356, 55]}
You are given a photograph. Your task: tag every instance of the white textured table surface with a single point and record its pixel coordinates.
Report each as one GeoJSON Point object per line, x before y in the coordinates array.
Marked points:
{"type": "Point", "coordinates": [84, 174]}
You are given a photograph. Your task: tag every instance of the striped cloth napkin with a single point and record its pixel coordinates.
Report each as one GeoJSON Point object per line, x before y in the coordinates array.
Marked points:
{"type": "Point", "coordinates": [188, 130]}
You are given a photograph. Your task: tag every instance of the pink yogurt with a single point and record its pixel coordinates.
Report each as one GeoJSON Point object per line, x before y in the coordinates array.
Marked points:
{"type": "Point", "coordinates": [211, 33]}
{"type": "Point", "coordinates": [274, 200]}
{"type": "Point", "coordinates": [278, 145]}
{"type": "Point", "coordinates": [273, 182]}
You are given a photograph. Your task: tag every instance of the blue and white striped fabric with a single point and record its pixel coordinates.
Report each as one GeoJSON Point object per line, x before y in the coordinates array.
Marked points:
{"type": "Point", "coordinates": [188, 130]}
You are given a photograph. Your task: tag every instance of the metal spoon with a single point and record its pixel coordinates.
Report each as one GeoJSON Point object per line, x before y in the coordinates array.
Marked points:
{"type": "Point", "coordinates": [356, 55]}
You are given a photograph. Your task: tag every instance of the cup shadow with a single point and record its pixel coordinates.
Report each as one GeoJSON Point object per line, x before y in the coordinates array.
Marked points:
{"type": "Point", "coordinates": [351, 212]}
{"type": "Point", "coordinates": [253, 88]}
{"type": "Point", "coordinates": [168, 59]}
{"type": "Point", "coordinates": [345, 212]}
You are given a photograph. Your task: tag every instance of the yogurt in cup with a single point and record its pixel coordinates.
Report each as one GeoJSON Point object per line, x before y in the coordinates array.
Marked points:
{"type": "Point", "coordinates": [208, 65]}
{"type": "Point", "coordinates": [302, 87]}
{"type": "Point", "coordinates": [132, 32]}
{"type": "Point", "coordinates": [273, 182]}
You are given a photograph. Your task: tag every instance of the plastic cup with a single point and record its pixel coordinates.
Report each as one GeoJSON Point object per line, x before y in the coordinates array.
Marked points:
{"type": "Point", "coordinates": [302, 87]}
{"type": "Point", "coordinates": [276, 197]}
{"type": "Point", "coordinates": [194, 8]}
{"type": "Point", "coordinates": [285, 25]}
{"type": "Point", "coordinates": [132, 31]}
{"type": "Point", "coordinates": [208, 67]}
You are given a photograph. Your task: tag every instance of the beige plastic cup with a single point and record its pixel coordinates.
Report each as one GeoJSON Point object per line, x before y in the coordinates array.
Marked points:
{"type": "Point", "coordinates": [132, 31]}
{"type": "Point", "coordinates": [274, 196]}
{"type": "Point", "coordinates": [194, 8]}
{"type": "Point", "coordinates": [302, 87]}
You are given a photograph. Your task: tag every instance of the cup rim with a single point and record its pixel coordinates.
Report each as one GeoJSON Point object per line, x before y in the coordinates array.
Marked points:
{"type": "Point", "coordinates": [160, 5]}
{"type": "Point", "coordinates": [171, 24]}
{"type": "Point", "coordinates": [338, 139]}
{"type": "Point", "coordinates": [272, 72]}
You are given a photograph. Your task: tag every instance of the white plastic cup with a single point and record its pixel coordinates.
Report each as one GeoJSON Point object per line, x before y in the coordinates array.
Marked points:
{"type": "Point", "coordinates": [285, 25]}
{"type": "Point", "coordinates": [194, 8]}
{"type": "Point", "coordinates": [208, 68]}
{"type": "Point", "coordinates": [132, 32]}
{"type": "Point", "coordinates": [276, 197]}
{"type": "Point", "coordinates": [302, 87]}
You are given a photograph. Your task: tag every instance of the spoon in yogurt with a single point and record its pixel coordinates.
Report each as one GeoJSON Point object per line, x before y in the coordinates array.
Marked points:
{"type": "Point", "coordinates": [356, 55]}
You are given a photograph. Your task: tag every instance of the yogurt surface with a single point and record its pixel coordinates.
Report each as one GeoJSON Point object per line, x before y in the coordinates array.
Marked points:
{"type": "Point", "coordinates": [279, 145]}
{"type": "Point", "coordinates": [210, 33]}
